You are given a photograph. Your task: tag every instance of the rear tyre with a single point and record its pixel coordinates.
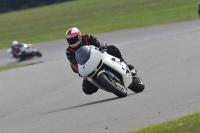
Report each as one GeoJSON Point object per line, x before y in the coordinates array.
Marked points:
{"type": "Point", "coordinates": [137, 84]}
{"type": "Point", "coordinates": [112, 85]}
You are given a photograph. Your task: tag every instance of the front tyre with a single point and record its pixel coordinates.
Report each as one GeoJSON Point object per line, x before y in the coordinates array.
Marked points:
{"type": "Point", "coordinates": [38, 54]}
{"type": "Point", "coordinates": [137, 84]}
{"type": "Point", "coordinates": [112, 85]}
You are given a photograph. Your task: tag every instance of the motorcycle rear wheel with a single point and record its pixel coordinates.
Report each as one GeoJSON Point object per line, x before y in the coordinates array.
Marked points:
{"type": "Point", "coordinates": [112, 86]}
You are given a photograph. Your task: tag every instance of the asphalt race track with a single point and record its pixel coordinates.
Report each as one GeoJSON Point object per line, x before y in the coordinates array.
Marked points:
{"type": "Point", "coordinates": [47, 97]}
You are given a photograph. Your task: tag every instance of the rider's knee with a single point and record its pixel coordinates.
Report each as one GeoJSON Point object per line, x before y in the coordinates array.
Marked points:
{"type": "Point", "coordinates": [89, 91]}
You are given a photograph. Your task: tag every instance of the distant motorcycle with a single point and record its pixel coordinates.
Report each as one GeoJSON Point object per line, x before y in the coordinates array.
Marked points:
{"type": "Point", "coordinates": [107, 72]}
{"type": "Point", "coordinates": [25, 51]}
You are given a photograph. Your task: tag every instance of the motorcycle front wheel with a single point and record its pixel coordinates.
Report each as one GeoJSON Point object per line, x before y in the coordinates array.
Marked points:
{"type": "Point", "coordinates": [38, 54]}
{"type": "Point", "coordinates": [112, 86]}
{"type": "Point", "coordinates": [137, 84]}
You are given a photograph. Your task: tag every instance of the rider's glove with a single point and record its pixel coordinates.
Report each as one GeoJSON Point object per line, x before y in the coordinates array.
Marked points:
{"type": "Point", "coordinates": [68, 54]}
{"type": "Point", "coordinates": [103, 48]}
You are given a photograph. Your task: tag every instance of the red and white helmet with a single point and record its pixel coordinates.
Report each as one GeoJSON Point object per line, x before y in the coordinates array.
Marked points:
{"type": "Point", "coordinates": [73, 36]}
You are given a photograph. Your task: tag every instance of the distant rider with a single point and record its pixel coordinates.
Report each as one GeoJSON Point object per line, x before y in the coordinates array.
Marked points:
{"type": "Point", "coordinates": [75, 41]}
{"type": "Point", "coordinates": [18, 50]}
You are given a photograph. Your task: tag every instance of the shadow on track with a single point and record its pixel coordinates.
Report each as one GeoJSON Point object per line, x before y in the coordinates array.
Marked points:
{"type": "Point", "coordinates": [25, 61]}
{"type": "Point", "coordinates": [87, 104]}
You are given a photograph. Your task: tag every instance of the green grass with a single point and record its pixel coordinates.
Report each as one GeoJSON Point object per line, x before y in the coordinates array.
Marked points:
{"type": "Point", "coordinates": [91, 16]}
{"type": "Point", "coordinates": [2, 68]}
{"type": "Point", "coordinates": [187, 124]}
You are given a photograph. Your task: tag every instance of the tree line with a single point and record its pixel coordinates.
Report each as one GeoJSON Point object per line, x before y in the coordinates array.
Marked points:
{"type": "Point", "coordinates": [12, 5]}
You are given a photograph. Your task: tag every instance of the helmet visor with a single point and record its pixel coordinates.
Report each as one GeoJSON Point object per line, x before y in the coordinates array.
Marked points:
{"type": "Point", "coordinates": [73, 40]}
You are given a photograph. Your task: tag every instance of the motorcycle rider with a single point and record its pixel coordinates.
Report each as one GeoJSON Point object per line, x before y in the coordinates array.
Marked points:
{"type": "Point", "coordinates": [18, 50]}
{"type": "Point", "coordinates": [75, 41]}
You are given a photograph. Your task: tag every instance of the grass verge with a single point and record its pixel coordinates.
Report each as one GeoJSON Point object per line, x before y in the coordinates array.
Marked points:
{"type": "Point", "coordinates": [2, 68]}
{"type": "Point", "coordinates": [91, 16]}
{"type": "Point", "coordinates": [187, 124]}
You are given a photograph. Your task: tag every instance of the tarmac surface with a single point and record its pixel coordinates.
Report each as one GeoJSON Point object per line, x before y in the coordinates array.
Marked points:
{"type": "Point", "coordinates": [47, 97]}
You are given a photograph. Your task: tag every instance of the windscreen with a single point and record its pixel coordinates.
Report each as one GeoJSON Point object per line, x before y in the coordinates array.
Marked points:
{"type": "Point", "coordinates": [83, 54]}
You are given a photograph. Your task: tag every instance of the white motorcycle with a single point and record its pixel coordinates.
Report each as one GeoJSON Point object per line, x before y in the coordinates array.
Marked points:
{"type": "Point", "coordinates": [107, 72]}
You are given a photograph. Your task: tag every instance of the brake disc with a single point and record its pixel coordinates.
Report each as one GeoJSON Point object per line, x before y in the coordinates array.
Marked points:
{"type": "Point", "coordinates": [118, 85]}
